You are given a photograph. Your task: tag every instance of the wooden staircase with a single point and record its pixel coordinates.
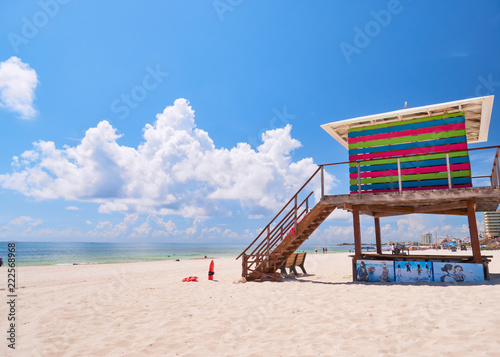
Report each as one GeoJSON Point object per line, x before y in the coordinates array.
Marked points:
{"type": "Point", "coordinates": [291, 227]}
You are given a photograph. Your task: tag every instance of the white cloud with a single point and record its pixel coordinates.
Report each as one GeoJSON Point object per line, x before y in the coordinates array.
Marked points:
{"type": "Point", "coordinates": [132, 227]}
{"type": "Point", "coordinates": [23, 224]}
{"type": "Point", "coordinates": [72, 208]}
{"type": "Point", "coordinates": [18, 82]}
{"type": "Point", "coordinates": [177, 169]}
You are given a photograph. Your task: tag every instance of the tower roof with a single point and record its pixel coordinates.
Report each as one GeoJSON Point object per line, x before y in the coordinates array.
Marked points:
{"type": "Point", "coordinates": [477, 112]}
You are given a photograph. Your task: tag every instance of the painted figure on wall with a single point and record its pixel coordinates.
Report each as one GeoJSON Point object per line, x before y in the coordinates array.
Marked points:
{"type": "Point", "coordinates": [362, 273]}
{"type": "Point", "coordinates": [428, 270]}
{"type": "Point", "coordinates": [458, 273]}
{"type": "Point", "coordinates": [408, 266]}
{"type": "Point", "coordinates": [447, 277]}
{"type": "Point", "coordinates": [385, 274]}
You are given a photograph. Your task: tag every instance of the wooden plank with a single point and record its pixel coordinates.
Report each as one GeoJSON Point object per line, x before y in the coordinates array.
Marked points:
{"type": "Point", "coordinates": [387, 208]}
{"type": "Point", "coordinates": [413, 151]}
{"type": "Point", "coordinates": [441, 206]}
{"type": "Point", "coordinates": [403, 133]}
{"type": "Point", "coordinates": [408, 139]}
{"type": "Point", "coordinates": [474, 238]}
{"type": "Point", "coordinates": [426, 188]}
{"type": "Point", "coordinates": [378, 237]}
{"type": "Point", "coordinates": [357, 232]}
{"type": "Point", "coordinates": [409, 145]}
{"type": "Point", "coordinates": [458, 178]}
{"type": "Point", "coordinates": [412, 171]}
{"type": "Point", "coordinates": [399, 123]}
{"type": "Point", "coordinates": [409, 159]}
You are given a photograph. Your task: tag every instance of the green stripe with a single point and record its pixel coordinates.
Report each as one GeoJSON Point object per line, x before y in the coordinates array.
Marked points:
{"type": "Point", "coordinates": [415, 177]}
{"type": "Point", "coordinates": [419, 120]}
{"type": "Point", "coordinates": [408, 139]}
{"type": "Point", "coordinates": [408, 159]}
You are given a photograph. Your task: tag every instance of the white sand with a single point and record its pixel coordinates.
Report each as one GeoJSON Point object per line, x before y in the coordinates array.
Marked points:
{"type": "Point", "coordinates": [139, 309]}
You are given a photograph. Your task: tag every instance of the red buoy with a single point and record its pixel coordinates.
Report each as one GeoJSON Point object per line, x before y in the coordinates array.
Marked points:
{"type": "Point", "coordinates": [211, 271]}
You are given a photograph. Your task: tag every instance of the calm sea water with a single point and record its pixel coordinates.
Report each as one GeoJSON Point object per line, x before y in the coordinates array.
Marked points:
{"type": "Point", "coordinates": [45, 253]}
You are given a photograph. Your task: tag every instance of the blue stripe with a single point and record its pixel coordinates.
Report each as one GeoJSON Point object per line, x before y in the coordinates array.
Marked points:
{"type": "Point", "coordinates": [410, 164]}
{"type": "Point", "coordinates": [411, 184]}
{"type": "Point", "coordinates": [414, 145]}
{"type": "Point", "coordinates": [394, 129]}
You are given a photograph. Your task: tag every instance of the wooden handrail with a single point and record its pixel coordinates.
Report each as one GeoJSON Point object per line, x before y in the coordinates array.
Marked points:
{"type": "Point", "coordinates": [284, 207]}
{"type": "Point", "coordinates": [274, 234]}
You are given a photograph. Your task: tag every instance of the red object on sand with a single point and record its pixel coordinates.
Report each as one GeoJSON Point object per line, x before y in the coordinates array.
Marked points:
{"type": "Point", "coordinates": [211, 271]}
{"type": "Point", "coordinates": [191, 278]}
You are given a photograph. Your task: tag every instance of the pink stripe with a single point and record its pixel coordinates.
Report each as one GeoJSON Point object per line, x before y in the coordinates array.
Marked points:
{"type": "Point", "coordinates": [412, 171]}
{"type": "Point", "coordinates": [426, 150]}
{"type": "Point", "coordinates": [416, 188]}
{"type": "Point", "coordinates": [432, 129]}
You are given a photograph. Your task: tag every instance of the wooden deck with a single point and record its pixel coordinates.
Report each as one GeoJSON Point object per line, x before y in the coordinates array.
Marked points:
{"type": "Point", "coordinates": [452, 202]}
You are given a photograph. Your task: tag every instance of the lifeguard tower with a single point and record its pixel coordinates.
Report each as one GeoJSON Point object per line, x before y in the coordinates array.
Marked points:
{"type": "Point", "coordinates": [403, 162]}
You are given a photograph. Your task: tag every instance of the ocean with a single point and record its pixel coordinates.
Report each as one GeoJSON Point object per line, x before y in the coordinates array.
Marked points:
{"type": "Point", "coordinates": [60, 253]}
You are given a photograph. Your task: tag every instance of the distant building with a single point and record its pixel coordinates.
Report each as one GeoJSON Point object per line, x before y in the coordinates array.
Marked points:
{"type": "Point", "coordinates": [491, 221]}
{"type": "Point", "coordinates": [426, 238]}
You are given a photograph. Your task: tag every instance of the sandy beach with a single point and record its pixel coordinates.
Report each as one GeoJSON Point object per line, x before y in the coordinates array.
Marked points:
{"type": "Point", "coordinates": [137, 309]}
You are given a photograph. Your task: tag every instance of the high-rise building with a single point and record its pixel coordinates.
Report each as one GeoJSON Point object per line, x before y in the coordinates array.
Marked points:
{"type": "Point", "coordinates": [426, 238]}
{"type": "Point", "coordinates": [491, 222]}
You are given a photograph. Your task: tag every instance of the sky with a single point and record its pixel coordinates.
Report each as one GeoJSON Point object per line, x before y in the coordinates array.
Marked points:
{"type": "Point", "coordinates": [195, 121]}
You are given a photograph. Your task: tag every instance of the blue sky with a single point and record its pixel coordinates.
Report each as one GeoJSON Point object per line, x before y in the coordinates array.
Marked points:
{"type": "Point", "coordinates": [180, 121]}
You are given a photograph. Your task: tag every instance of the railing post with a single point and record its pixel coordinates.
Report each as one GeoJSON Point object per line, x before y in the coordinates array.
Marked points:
{"type": "Point", "coordinates": [295, 208]}
{"type": "Point", "coordinates": [400, 185]}
{"type": "Point", "coordinates": [322, 182]}
{"type": "Point", "coordinates": [448, 170]}
{"type": "Point", "coordinates": [268, 236]}
{"type": "Point", "coordinates": [359, 180]}
{"type": "Point", "coordinates": [244, 266]}
{"type": "Point", "coordinates": [497, 168]}
{"type": "Point", "coordinates": [307, 204]}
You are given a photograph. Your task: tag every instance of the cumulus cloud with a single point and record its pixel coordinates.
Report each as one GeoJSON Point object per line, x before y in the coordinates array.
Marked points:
{"type": "Point", "coordinates": [177, 169]}
{"type": "Point", "coordinates": [18, 82]}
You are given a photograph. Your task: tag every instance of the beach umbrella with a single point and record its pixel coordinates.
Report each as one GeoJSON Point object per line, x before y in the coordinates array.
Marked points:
{"type": "Point", "coordinates": [451, 244]}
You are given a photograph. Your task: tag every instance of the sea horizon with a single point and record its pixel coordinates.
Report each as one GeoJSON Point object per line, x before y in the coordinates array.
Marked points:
{"type": "Point", "coordinates": [80, 253]}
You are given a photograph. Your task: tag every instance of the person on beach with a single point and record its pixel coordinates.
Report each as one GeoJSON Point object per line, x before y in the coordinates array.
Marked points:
{"type": "Point", "coordinates": [1, 262]}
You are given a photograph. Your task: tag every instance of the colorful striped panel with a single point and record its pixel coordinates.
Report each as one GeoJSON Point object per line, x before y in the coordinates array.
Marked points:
{"type": "Point", "coordinates": [409, 159]}
{"type": "Point", "coordinates": [412, 171]}
{"type": "Point", "coordinates": [413, 184]}
{"type": "Point", "coordinates": [408, 165]}
{"type": "Point", "coordinates": [386, 128]}
{"type": "Point", "coordinates": [411, 145]}
{"type": "Point", "coordinates": [432, 129]}
{"type": "Point", "coordinates": [421, 146]}
{"type": "Point", "coordinates": [413, 177]}
{"type": "Point", "coordinates": [416, 151]}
